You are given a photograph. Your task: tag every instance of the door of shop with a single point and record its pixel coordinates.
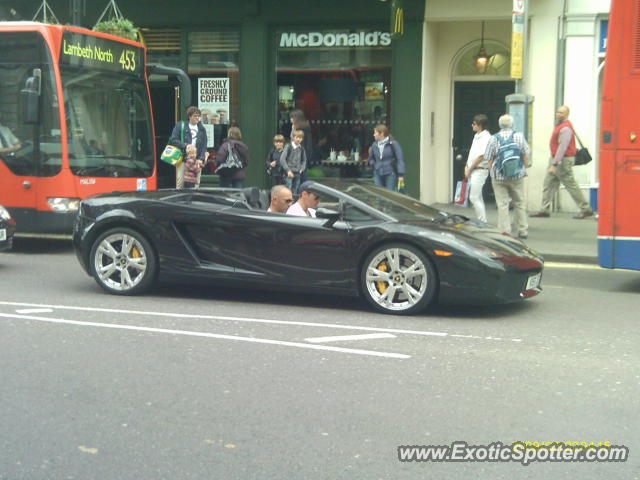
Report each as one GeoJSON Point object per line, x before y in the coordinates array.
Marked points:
{"type": "Point", "coordinates": [472, 98]}
{"type": "Point", "coordinates": [164, 99]}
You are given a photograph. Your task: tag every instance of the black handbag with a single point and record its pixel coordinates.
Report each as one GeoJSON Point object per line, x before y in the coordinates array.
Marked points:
{"type": "Point", "coordinates": [582, 155]}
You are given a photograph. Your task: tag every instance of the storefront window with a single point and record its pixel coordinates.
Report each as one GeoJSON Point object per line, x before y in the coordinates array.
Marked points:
{"type": "Point", "coordinates": [212, 62]}
{"type": "Point", "coordinates": [341, 80]}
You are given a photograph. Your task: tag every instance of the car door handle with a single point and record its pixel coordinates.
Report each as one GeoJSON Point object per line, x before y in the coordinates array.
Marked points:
{"type": "Point", "coordinates": [26, 184]}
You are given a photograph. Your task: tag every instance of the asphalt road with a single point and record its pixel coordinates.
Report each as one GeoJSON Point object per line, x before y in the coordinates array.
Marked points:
{"type": "Point", "coordinates": [197, 383]}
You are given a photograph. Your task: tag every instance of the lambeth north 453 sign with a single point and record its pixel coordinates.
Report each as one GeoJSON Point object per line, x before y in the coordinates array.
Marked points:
{"type": "Point", "coordinates": [334, 39]}
{"type": "Point", "coordinates": [97, 53]}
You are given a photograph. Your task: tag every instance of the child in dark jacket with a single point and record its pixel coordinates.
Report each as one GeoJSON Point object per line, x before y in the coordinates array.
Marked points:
{"type": "Point", "coordinates": [273, 161]}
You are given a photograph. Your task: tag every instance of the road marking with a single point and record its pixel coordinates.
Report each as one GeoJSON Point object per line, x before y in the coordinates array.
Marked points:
{"type": "Point", "coordinates": [241, 319]}
{"type": "Point", "coordinates": [34, 310]}
{"type": "Point", "coordinates": [346, 338]}
{"type": "Point", "coordinates": [207, 335]}
{"type": "Point", "coordinates": [582, 266]}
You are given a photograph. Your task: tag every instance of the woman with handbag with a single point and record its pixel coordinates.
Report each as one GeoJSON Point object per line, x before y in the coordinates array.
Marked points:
{"type": "Point", "coordinates": [386, 158]}
{"type": "Point", "coordinates": [232, 159]}
{"type": "Point", "coordinates": [189, 133]}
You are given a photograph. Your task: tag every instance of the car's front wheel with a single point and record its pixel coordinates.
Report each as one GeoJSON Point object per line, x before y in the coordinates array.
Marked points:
{"type": "Point", "coordinates": [123, 261]}
{"type": "Point", "coordinates": [398, 279]}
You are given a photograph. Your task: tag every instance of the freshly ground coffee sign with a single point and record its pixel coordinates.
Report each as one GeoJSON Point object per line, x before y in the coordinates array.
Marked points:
{"type": "Point", "coordinates": [334, 39]}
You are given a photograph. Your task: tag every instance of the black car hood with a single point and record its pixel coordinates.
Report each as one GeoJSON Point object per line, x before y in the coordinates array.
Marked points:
{"type": "Point", "coordinates": [473, 233]}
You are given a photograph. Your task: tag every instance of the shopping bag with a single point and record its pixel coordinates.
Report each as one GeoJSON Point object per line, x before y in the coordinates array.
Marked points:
{"type": "Point", "coordinates": [461, 197]}
{"type": "Point", "coordinates": [171, 155]}
{"type": "Point", "coordinates": [401, 187]}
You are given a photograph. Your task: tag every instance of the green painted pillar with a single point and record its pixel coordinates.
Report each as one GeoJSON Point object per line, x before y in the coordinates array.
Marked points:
{"type": "Point", "coordinates": [255, 96]}
{"type": "Point", "coordinates": [406, 73]}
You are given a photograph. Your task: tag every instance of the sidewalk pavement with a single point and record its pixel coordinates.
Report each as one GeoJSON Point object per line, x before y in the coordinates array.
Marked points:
{"type": "Point", "coordinates": [559, 238]}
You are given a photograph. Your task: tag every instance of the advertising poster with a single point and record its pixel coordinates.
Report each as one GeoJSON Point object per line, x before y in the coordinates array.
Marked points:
{"type": "Point", "coordinates": [213, 102]}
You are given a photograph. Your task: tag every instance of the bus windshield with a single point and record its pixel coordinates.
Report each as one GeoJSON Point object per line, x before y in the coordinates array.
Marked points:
{"type": "Point", "coordinates": [108, 123]}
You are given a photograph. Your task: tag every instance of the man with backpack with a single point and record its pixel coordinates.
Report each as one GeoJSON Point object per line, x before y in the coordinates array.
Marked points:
{"type": "Point", "coordinates": [508, 158]}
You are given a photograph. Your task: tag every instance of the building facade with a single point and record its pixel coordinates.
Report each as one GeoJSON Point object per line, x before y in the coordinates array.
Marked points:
{"type": "Point", "coordinates": [564, 57]}
{"type": "Point", "coordinates": [253, 61]}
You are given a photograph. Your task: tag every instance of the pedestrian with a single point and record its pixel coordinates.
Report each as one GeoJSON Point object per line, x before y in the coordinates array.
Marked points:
{"type": "Point", "coordinates": [560, 169]}
{"type": "Point", "coordinates": [9, 143]}
{"type": "Point", "coordinates": [193, 166]}
{"type": "Point", "coordinates": [307, 202]}
{"type": "Point", "coordinates": [299, 122]}
{"type": "Point", "coordinates": [274, 169]}
{"type": "Point", "coordinates": [281, 199]}
{"type": "Point", "coordinates": [191, 132]}
{"type": "Point", "coordinates": [476, 171]}
{"type": "Point", "coordinates": [507, 155]}
{"type": "Point", "coordinates": [293, 161]}
{"type": "Point", "coordinates": [386, 158]}
{"type": "Point", "coordinates": [233, 177]}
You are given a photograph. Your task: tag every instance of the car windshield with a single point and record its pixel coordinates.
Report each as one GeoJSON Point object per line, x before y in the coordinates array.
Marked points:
{"type": "Point", "coordinates": [396, 205]}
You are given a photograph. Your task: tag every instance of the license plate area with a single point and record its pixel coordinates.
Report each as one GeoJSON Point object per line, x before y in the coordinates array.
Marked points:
{"type": "Point", "coordinates": [533, 281]}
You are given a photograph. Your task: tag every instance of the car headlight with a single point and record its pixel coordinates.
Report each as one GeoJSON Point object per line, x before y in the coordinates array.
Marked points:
{"type": "Point", "coordinates": [4, 213]}
{"type": "Point", "coordinates": [60, 204]}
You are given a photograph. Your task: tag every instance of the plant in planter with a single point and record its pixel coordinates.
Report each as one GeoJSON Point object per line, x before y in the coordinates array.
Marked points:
{"type": "Point", "coordinates": [115, 23]}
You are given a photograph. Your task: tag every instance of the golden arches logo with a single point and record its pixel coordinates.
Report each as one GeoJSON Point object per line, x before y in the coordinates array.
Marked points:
{"type": "Point", "coordinates": [398, 22]}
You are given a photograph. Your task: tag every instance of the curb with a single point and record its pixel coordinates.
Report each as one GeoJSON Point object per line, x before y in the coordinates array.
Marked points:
{"type": "Point", "coordinates": [584, 259]}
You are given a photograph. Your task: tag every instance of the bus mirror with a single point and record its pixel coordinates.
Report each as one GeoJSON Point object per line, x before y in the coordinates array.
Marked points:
{"type": "Point", "coordinates": [31, 98]}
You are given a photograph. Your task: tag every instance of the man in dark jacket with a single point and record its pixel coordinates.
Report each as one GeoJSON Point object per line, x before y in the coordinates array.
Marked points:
{"type": "Point", "coordinates": [189, 133]}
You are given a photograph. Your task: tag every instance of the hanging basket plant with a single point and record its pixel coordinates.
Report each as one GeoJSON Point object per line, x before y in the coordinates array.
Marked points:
{"type": "Point", "coordinates": [111, 21]}
{"type": "Point", "coordinates": [120, 27]}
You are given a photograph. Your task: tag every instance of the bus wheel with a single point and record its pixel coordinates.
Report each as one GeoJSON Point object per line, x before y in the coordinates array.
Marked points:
{"type": "Point", "coordinates": [123, 262]}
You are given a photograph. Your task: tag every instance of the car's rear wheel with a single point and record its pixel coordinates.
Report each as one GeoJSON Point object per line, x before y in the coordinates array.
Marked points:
{"type": "Point", "coordinates": [398, 279]}
{"type": "Point", "coordinates": [123, 261]}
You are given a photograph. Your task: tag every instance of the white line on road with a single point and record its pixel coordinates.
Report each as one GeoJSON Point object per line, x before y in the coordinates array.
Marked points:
{"type": "Point", "coordinates": [346, 338]}
{"type": "Point", "coordinates": [240, 319]}
{"type": "Point", "coordinates": [34, 310]}
{"type": "Point", "coordinates": [208, 335]}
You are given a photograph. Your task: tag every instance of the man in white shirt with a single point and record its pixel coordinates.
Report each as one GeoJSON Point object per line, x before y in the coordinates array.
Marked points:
{"type": "Point", "coordinates": [281, 199]}
{"type": "Point", "coordinates": [477, 169]}
{"type": "Point", "coordinates": [307, 203]}
{"type": "Point", "coordinates": [9, 143]}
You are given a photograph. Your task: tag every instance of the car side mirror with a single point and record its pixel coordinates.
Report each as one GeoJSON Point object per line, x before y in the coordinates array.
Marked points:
{"type": "Point", "coordinates": [331, 216]}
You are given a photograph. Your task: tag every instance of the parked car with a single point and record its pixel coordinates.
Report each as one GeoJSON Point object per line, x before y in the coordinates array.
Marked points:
{"type": "Point", "coordinates": [398, 253]}
{"type": "Point", "coordinates": [7, 229]}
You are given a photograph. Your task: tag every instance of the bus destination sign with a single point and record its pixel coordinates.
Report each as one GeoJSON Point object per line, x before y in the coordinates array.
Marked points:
{"type": "Point", "coordinates": [85, 51]}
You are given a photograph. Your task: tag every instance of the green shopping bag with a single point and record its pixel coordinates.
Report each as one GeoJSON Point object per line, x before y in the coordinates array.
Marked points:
{"type": "Point", "coordinates": [171, 155]}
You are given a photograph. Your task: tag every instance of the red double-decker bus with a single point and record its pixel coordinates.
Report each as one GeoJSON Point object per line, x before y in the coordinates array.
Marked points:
{"type": "Point", "coordinates": [618, 202]}
{"type": "Point", "coordinates": [75, 120]}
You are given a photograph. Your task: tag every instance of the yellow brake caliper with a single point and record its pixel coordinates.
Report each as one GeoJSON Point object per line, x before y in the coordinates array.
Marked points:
{"type": "Point", "coordinates": [382, 286]}
{"type": "Point", "coordinates": [135, 253]}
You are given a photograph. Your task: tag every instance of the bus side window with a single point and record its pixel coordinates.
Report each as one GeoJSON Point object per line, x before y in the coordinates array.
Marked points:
{"type": "Point", "coordinates": [17, 138]}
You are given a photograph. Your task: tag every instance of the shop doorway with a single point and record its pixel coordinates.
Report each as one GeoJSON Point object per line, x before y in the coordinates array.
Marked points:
{"type": "Point", "coordinates": [164, 101]}
{"type": "Point", "coordinates": [472, 98]}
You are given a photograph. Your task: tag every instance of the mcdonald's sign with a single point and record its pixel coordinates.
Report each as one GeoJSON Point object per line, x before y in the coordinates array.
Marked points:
{"type": "Point", "coordinates": [397, 18]}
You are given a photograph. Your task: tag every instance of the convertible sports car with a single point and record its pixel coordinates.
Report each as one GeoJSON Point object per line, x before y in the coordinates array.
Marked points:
{"type": "Point", "coordinates": [400, 254]}
{"type": "Point", "coordinates": [7, 228]}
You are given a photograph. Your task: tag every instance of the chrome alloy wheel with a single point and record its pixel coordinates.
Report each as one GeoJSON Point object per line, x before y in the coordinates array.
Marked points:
{"type": "Point", "coordinates": [396, 279]}
{"type": "Point", "coordinates": [120, 262]}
